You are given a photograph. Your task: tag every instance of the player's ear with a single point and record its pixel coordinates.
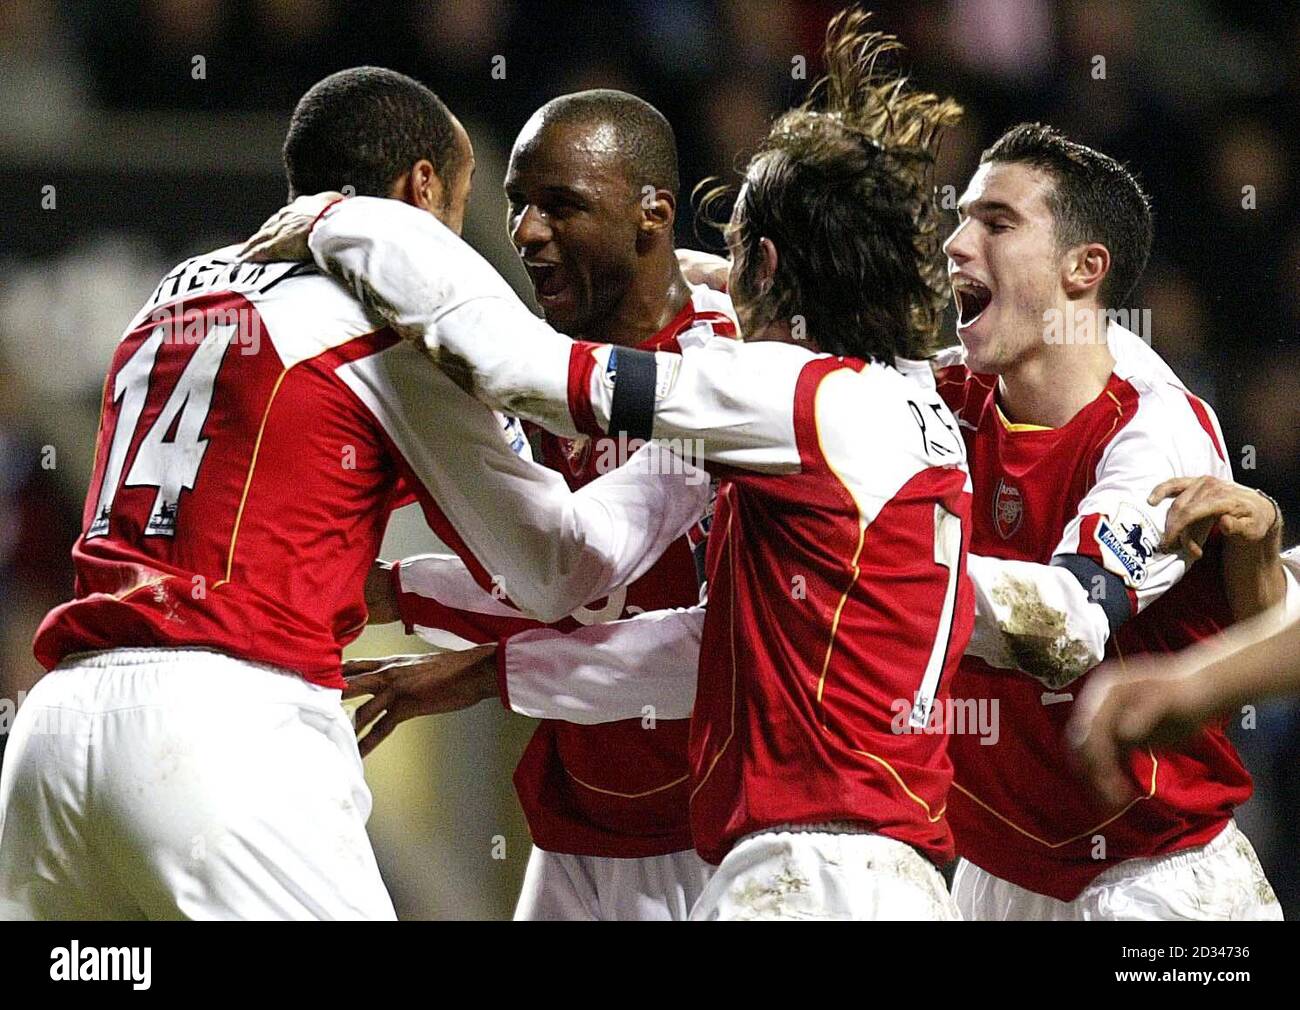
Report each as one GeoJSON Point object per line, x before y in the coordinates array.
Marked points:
{"type": "Point", "coordinates": [766, 264]}
{"type": "Point", "coordinates": [1085, 267]}
{"type": "Point", "coordinates": [658, 210]}
{"type": "Point", "coordinates": [421, 187]}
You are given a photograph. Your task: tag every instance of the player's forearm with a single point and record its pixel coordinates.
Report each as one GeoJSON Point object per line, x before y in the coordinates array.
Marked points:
{"type": "Point", "coordinates": [381, 593]}
{"type": "Point", "coordinates": [433, 288]}
{"type": "Point", "coordinates": [1036, 618]}
{"type": "Point", "coordinates": [732, 402]}
{"type": "Point", "coordinates": [1253, 571]}
{"type": "Point", "coordinates": [546, 550]}
{"type": "Point", "coordinates": [612, 531]}
{"type": "Point", "coordinates": [1255, 579]}
{"type": "Point", "coordinates": [644, 667]}
{"type": "Point", "coordinates": [1266, 668]}
{"type": "Point", "coordinates": [562, 549]}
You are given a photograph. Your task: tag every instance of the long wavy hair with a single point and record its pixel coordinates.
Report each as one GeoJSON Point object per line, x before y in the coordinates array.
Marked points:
{"type": "Point", "coordinates": [842, 187]}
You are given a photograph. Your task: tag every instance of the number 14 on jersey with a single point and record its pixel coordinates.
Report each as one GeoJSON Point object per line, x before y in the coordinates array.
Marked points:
{"type": "Point", "coordinates": [171, 452]}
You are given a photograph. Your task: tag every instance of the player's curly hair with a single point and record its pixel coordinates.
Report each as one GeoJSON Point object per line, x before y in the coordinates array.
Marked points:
{"type": "Point", "coordinates": [842, 187]}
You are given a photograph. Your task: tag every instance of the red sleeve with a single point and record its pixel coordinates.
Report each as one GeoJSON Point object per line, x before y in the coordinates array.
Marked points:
{"type": "Point", "coordinates": [581, 364]}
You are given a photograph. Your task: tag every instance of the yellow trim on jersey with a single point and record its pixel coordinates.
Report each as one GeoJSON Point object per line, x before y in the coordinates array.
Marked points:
{"type": "Point", "coordinates": [835, 622]}
{"type": "Point", "coordinates": [1019, 427]}
{"type": "Point", "coordinates": [1155, 765]}
{"type": "Point", "coordinates": [901, 784]}
{"type": "Point", "coordinates": [248, 482]}
{"type": "Point", "coordinates": [857, 553]}
{"type": "Point", "coordinates": [839, 607]}
{"type": "Point", "coordinates": [1119, 416]}
{"type": "Point", "coordinates": [726, 545]}
{"type": "Point", "coordinates": [627, 796]}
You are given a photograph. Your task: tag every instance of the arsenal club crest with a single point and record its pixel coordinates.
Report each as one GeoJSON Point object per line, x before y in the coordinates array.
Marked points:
{"type": "Point", "coordinates": [1008, 510]}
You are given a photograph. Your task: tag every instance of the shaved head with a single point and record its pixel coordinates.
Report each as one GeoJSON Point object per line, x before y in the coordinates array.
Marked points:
{"type": "Point", "coordinates": [616, 125]}
{"type": "Point", "coordinates": [592, 193]}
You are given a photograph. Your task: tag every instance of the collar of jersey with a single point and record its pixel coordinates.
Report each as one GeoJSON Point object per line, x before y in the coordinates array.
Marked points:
{"type": "Point", "coordinates": [1018, 427]}
{"type": "Point", "coordinates": [675, 326]}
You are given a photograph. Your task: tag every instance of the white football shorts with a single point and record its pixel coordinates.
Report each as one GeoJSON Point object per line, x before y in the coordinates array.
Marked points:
{"type": "Point", "coordinates": [824, 874]}
{"type": "Point", "coordinates": [1219, 880]}
{"type": "Point", "coordinates": [559, 886]}
{"type": "Point", "coordinates": [157, 784]}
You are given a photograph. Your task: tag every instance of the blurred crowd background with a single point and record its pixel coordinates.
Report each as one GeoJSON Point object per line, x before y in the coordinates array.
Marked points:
{"type": "Point", "coordinates": [134, 133]}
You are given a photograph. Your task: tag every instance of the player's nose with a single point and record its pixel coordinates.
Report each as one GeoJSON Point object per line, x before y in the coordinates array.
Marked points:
{"type": "Point", "coordinates": [531, 229]}
{"type": "Point", "coordinates": [957, 246]}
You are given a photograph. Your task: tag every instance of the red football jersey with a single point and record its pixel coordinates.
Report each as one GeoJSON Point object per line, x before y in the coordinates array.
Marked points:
{"type": "Point", "coordinates": [838, 610]}
{"type": "Point", "coordinates": [258, 426]}
{"type": "Point", "coordinates": [836, 553]}
{"type": "Point", "coordinates": [616, 789]}
{"type": "Point", "coordinates": [1018, 808]}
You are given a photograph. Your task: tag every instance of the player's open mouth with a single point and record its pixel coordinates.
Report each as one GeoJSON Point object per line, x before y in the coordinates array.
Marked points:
{"type": "Point", "coordinates": [972, 299]}
{"type": "Point", "coordinates": [549, 280]}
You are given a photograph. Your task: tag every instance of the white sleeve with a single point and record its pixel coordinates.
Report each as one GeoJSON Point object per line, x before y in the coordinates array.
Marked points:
{"type": "Point", "coordinates": [516, 523]}
{"type": "Point", "coordinates": [439, 600]}
{"type": "Point", "coordinates": [1113, 525]}
{"type": "Point", "coordinates": [1036, 618]}
{"type": "Point", "coordinates": [1291, 568]}
{"type": "Point", "coordinates": [732, 401]}
{"type": "Point", "coordinates": [446, 579]}
{"type": "Point", "coordinates": [643, 667]}
{"type": "Point", "coordinates": [1054, 621]}
{"type": "Point", "coordinates": [639, 667]}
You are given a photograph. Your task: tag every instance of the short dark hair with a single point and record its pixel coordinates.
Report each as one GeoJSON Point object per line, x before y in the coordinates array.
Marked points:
{"type": "Point", "coordinates": [364, 127]}
{"type": "Point", "coordinates": [1094, 198]}
{"type": "Point", "coordinates": [841, 185]}
{"type": "Point", "coordinates": [645, 137]}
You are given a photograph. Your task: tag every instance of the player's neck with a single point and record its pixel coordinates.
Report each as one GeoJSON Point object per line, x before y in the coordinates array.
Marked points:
{"type": "Point", "coordinates": [654, 298]}
{"type": "Point", "coordinates": [1052, 386]}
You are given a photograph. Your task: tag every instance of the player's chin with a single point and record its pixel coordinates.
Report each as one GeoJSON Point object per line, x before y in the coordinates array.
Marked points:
{"type": "Point", "coordinates": [980, 350]}
{"type": "Point", "coordinates": [560, 313]}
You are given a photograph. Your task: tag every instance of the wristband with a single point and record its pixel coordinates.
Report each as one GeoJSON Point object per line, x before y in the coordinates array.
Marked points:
{"type": "Point", "coordinates": [1277, 511]}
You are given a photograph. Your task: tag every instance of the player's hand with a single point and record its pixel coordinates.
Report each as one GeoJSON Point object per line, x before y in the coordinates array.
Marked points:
{"type": "Point", "coordinates": [381, 594]}
{"type": "Point", "coordinates": [1152, 701]}
{"type": "Point", "coordinates": [284, 234]}
{"type": "Point", "coordinates": [1202, 502]}
{"type": "Point", "coordinates": [403, 687]}
{"type": "Point", "coordinates": [704, 268]}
